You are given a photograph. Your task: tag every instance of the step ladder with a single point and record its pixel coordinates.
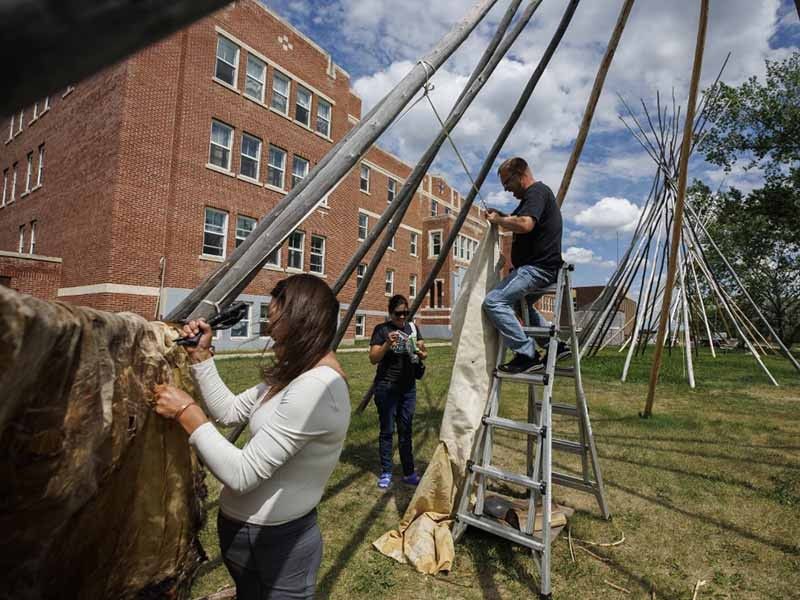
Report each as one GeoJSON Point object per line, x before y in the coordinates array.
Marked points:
{"type": "Point", "coordinates": [541, 442]}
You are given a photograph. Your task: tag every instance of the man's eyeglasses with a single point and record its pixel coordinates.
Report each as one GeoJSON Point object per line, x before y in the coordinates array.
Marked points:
{"type": "Point", "coordinates": [400, 313]}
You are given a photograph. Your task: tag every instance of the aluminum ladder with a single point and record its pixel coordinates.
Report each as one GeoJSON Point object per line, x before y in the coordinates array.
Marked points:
{"type": "Point", "coordinates": [540, 477]}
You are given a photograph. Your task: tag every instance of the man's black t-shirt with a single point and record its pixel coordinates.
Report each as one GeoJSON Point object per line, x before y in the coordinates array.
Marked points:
{"type": "Point", "coordinates": [395, 367]}
{"type": "Point", "coordinates": [541, 246]}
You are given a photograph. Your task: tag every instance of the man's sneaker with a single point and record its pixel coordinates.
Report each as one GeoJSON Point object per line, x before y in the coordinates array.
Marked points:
{"type": "Point", "coordinates": [522, 364]}
{"type": "Point", "coordinates": [563, 351]}
{"type": "Point", "coordinates": [412, 479]}
{"type": "Point", "coordinates": [385, 480]}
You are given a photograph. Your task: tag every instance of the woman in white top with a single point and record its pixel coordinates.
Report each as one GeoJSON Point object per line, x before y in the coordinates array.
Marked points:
{"type": "Point", "coordinates": [298, 419]}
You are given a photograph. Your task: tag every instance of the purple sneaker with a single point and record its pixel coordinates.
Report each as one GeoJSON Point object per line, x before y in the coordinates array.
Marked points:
{"type": "Point", "coordinates": [385, 480]}
{"type": "Point", "coordinates": [412, 479]}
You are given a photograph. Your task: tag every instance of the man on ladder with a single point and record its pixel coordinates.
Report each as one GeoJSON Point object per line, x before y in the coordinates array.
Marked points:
{"type": "Point", "coordinates": [536, 258]}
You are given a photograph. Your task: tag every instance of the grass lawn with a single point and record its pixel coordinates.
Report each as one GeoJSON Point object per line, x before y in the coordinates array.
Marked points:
{"type": "Point", "coordinates": [708, 489]}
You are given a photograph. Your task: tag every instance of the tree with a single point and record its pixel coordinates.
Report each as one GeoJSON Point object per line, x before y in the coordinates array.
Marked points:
{"type": "Point", "coordinates": [758, 125]}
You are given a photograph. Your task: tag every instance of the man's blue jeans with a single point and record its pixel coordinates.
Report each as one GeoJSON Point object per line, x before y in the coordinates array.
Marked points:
{"type": "Point", "coordinates": [499, 305]}
{"type": "Point", "coordinates": [395, 406]}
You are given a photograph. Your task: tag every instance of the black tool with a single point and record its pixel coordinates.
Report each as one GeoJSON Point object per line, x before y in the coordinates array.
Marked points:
{"type": "Point", "coordinates": [224, 320]}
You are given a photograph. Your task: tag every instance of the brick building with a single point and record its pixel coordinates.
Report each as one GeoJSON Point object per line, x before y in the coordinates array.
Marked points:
{"type": "Point", "coordinates": [126, 190]}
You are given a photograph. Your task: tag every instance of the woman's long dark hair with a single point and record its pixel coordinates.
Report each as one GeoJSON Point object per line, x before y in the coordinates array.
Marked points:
{"type": "Point", "coordinates": [307, 314]}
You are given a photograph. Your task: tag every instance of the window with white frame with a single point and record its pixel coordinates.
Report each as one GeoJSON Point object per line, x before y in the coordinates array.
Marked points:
{"type": "Point", "coordinates": [436, 296]}
{"type": "Point", "coordinates": [40, 171]}
{"type": "Point", "coordinates": [299, 169]}
{"type": "Point", "coordinates": [363, 226]}
{"type": "Point", "coordinates": [280, 92]}
{"type": "Point", "coordinates": [5, 187]}
{"type": "Point", "coordinates": [13, 182]}
{"type": "Point", "coordinates": [46, 104]}
{"type": "Point", "coordinates": [21, 245]}
{"type": "Point", "coordinates": [413, 243]}
{"type": "Point", "coordinates": [434, 243]}
{"type": "Point", "coordinates": [391, 243]}
{"type": "Point", "coordinates": [215, 232]}
{"type": "Point", "coordinates": [391, 191]}
{"type": "Point", "coordinates": [412, 286]}
{"type": "Point", "coordinates": [35, 111]}
{"type": "Point", "coordinates": [32, 245]}
{"type": "Point", "coordinates": [389, 290]}
{"type": "Point", "coordinates": [250, 163]}
{"type": "Point", "coordinates": [317, 258]}
{"type": "Point", "coordinates": [274, 258]}
{"type": "Point", "coordinates": [221, 143]}
{"type": "Point", "coordinates": [324, 117]}
{"type": "Point", "coordinates": [361, 270]}
{"type": "Point", "coordinates": [244, 227]}
{"type": "Point", "coordinates": [295, 253]}
{"type": "Point", "coordinates": [263, 317]}
{"type": "Point", "coordinates": [11, 128]}
{"type": "Point", "coordinates": [276, 167]}
{"type": "Point", "coordinates": [21, 119]}
{"type": "Point", "coordinates": [242, 328]}
{"type": "Point", "coordinates": [256, 78]}
{"type": "Point", "coordinates": [361, 326]}
{"type": "Point", "coordinates": [302, 109]}
{"type": "Point", "coordinates": [29, 173]}
{"type": "Point", "coordinates": [434, 207]}
{"type": "Point", "coordinates": [363, 182]}
{"type": "Point", "coordinates": [227, 61]}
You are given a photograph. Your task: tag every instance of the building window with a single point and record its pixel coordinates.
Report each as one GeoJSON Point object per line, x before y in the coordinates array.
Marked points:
{"type": "Point", "coordinates": [242, 328]}
{"type": "Point", "coordinates": [361, 326]}
{"type": "Point", "coordinates": [391, 243]}
{"type": "Point", "coordinates": [317, 260]}
{"type": "Point", "coordinates": [35, 111]}
{"type": "Point", "coordinates": [256, 76]}
{"type": "Point", "coordinates": [295, 258]}
{"type": "Point", "coordinates": [389, 282]}
{"type": "Point", "coordinates": [364, 180]}
{"type": "Point", "coordinates": [412, 286]}
{"type": "Point", "coordinates": [250, 164]}
{"type": "Point", "coordinates": [414, 240]}
{"type": "Point", "coordinates": [280, 92]}
{"type": "Point", "coordinates": [276, 168]}
{"type": "Point", "coordinates": [227, 61]}
{"type": "Point", "coordinates": [11, 128]}
{"type": "Point", "coordinates": [323, 117]}
{"type": "Point", "coordinates": [391, 191]}
{"type": "Point", "coordinates": [29, 173]}
{"type": "Point", "coordinates": [5, 186]}
{"type": "Point", "coordinates": [274, 258]}
{"type": "Point", "coordinates": [302, 109]}
{"type": "Point", "coordinates": [21, 118]}
{"type": "Point", "coordinates": [244, 227]}
{"type": "Point", "coordinates": [221, 144]}
{"type": "Point", "coordinates": [434, 208]}
{"type": "Point", "coordinates": [361, 270]}
{"type": "Point", "coordinates": [40, 172]}
{"type": "Point", "coordinates": [363, 226]}
{"type": "Point", "coordinates": [436, 296]}
{"type": "Point", "coordinates": [434, 243]}
{"type": "Point", "coordinates": [13, 182]}
{"type": "Point", "coordinates": [299, 169]}
{"type": "Point", "coordinates": [215, 231]}
{"type": "Point", "coordinates": [32, 246]}
{"type": "Point", "coordinates": [263, 317]}
{"type": "Point", "coordinates": [21, 245]}
{"type": "Point", "coordinates": [46, 104]}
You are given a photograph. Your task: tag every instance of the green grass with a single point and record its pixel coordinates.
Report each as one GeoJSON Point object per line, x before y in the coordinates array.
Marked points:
{"type": "Point", "coordinates": [707, 489]}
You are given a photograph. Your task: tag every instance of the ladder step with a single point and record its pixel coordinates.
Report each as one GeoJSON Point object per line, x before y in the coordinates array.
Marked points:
{"type": "Point", "coordinates": [568, 446]}
{"type": "Point", "coordinates": [565, 371]}
{"type": "Point", "coordinates": [573, 482]}
{"type": "Point", "coordinates": [523, 377]}
{"type": "Point", "coordinates": [505, 531]}
{"type": "Point", "coordinates": [561, 409]}
{"type": "Point", "coordinates": [493, 473]}
{"type": "Point", "coordinates": [547, 331]}
{"type": "Point", "coordinates": [519, 426]}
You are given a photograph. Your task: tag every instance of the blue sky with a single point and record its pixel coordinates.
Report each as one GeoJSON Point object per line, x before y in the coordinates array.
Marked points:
{"type": "Point", "coordinates": [378, 42]}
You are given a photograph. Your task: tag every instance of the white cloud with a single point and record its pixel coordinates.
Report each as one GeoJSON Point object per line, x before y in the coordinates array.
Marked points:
{"type": "Point", "coordinates": [583, 256]}
{"type": "Point", "coordinates": [609, 215]}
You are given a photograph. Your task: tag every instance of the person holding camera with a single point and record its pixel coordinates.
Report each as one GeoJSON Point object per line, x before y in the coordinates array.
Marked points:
{"type": "Point", "coordinates": [397, 348]}
{"type": "Point", "coordinates": [298, 418]}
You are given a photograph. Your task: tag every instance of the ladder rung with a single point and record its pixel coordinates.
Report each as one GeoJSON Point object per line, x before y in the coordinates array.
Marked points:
{"type": "Point", "coordinates": [520, 426]}
{"type": "Point", "coordinates": [542, 331]}
{"type": "Point", "coordinates": [573, 482]}
{"type": "Point", "coordinates": [568, 446]}
{"type": "Point", "coordinates": [565, 371]}
{"type": "Point", "coordinates": [524, 377]}
{"type": "Point", "coordinates": [561, 409]}
{"type": "Point", "coordinates": [501, 530]}
{"type": "Point", "coordinates": [508, 477]}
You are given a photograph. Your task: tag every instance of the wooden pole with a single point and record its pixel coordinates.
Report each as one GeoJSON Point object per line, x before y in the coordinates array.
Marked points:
{"type": "Point", "coordinates": [234, 274]}
{"type": "Point", "coordinates": [588, 114]}
{"type": "Point", "coordinates": [677, 225]}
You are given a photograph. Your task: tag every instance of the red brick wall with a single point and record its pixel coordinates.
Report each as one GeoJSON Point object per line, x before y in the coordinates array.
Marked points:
{"type": "Point", "coordinates": [30, 275]}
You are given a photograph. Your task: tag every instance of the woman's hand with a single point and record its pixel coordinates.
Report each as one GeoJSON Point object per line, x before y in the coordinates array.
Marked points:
{"type": "Point", "coordinates": [173, 403]}
{"type": "Point", "coordinates": [202, 351]}
{"type": "Point", "coordinates": [422, 352]}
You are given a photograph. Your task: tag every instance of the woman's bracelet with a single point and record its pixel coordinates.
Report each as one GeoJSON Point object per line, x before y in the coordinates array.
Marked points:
{"type": "Point", "coordinates": [183, 408]}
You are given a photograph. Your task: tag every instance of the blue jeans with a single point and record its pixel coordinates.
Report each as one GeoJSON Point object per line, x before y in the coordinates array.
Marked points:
{"type": "Point", "coordinates": [499, 305]}
{"type": "Point", "coordinates": [395, 406]}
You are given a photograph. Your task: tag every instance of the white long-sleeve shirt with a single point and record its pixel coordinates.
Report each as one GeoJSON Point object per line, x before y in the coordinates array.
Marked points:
{"type": "Point", "coordinates": [297, 437]}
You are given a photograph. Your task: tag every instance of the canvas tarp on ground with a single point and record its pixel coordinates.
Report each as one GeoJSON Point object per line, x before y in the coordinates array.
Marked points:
{"type": "Point", "coordinates": [99, 494]}
{"type": "Point", "coordinates": [423, 537]}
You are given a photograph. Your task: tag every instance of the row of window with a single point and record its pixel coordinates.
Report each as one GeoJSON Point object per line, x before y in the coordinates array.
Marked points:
{"type": "Point", "coordinates": [363, 232]}
{"type": "Point", "coordinates": [10, 178]}
{"type": "Point", "coordinates": [255, 87]}
{"type": "Point", "coordinates": [244, 328]}
{"type": "Point", "coordinates": [465, 248]}
{"type": "Point", "coordinates": [17, 120]}
{"type": "Point", "coordinates": [31, 239]}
